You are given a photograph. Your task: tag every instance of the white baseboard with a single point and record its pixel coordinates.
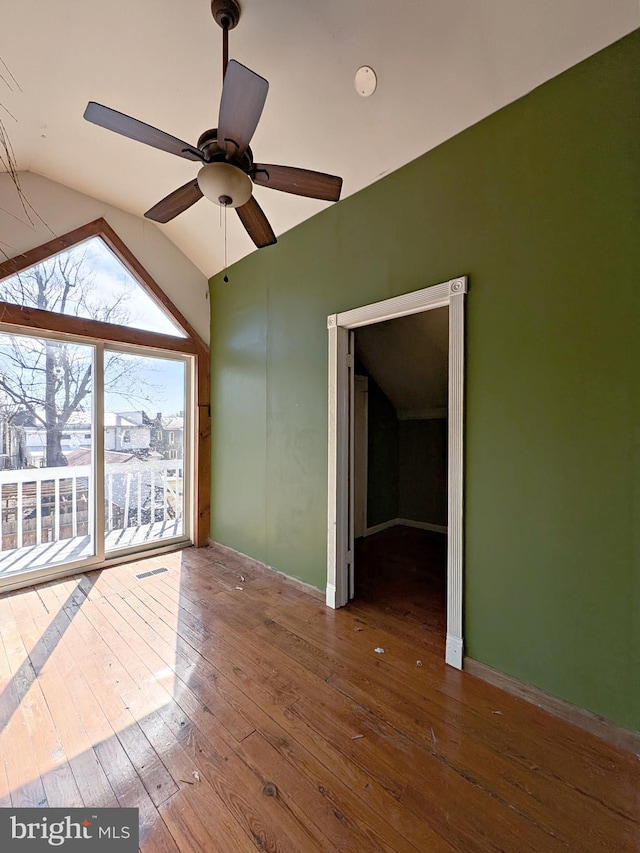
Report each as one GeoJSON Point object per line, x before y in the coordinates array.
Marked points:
{"type": "Point", "coordinates": [454, 651]}
{"type": "Point", "coordinates": [331, 596]}
{"type": "Point", "coordinates": [378, 528]}
{"type": "Point", "coordinates": [405, 522]}
{"type": "Point", "coordinates": [422, 525]}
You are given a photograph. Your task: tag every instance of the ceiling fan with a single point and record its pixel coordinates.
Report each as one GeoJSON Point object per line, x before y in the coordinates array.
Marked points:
{"type": "Point", "coordinates": [228, 170]}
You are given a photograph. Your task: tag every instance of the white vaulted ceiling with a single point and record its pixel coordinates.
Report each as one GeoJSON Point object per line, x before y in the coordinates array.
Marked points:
{"type": "Point", "coordinates": [441, 64]}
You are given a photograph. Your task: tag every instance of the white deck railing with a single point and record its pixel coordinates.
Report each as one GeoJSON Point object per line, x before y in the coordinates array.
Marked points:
{"type": "Point", "coordinates": [51, 504]}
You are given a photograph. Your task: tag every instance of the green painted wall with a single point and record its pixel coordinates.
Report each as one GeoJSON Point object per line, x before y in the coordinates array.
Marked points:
{"type": "Point", "coordinates": [383, 432]}
{"type": "Point", "coordinates": [539, 205]}
{"type": "Point", "coordinates": [422, 471]}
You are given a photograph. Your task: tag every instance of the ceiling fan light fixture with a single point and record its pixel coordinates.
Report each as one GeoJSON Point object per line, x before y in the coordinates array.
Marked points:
{"type": "Point", "coordinates": [225, 184]}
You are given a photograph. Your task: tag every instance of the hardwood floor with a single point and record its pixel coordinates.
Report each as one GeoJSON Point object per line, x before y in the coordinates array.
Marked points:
{"type": "Point", "coordinates": [401, 574]}
{"type": "Point", "coordinates": [240, 714]}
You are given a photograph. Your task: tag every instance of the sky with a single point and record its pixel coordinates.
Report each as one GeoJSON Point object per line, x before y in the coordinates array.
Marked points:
{"type": "Point", "coordinates": [109, 280]}
{"type": "Point", "coordinates": [111, 277]}
{"type": "Point", "coordinates": [160, 380]}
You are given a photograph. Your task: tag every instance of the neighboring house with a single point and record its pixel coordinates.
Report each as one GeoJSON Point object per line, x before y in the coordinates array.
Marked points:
{"type": "Point", "coordinates": [13, 451]}
{"type": "Point", "coordinates": [13, 446]}
{"type": "Point", "coordinates": [76, 433]}
{"type": "Point", "coordinates": [124, 431]}
{"type": "Point", "coordinates": [167, 435]}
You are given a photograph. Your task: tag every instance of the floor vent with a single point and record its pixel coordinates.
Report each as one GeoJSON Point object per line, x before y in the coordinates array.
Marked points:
{"type": "Point", "coordinates": [152, 572]}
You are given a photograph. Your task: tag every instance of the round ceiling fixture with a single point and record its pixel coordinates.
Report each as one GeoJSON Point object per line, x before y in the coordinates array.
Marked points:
{"type": "Point", "coordinates": [365, 81]}
{"type": "Point", "coordinates": [225, 184]}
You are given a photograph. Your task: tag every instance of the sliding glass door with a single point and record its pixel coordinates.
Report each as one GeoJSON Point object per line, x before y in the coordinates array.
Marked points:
{"type": "Point", "coordinates": [47, 442]}
{"type": "Point", "coordinates": [145, 443]}
{"type": "Point", "coordinates": [94, 453]}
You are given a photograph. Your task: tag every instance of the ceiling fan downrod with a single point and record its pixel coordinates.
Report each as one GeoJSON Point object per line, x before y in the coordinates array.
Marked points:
{"type": "Point", "coordinates": [226, 14]}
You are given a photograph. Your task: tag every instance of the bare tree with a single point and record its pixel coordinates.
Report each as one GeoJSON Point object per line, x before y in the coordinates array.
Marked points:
{"type": "Point", "coordinates": [50, 380]}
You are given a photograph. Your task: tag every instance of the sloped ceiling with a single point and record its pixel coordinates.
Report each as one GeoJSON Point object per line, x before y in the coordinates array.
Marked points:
{"type": "Point", "coordinates": [441, 64]}
{"type": "Point", "coordinates": [408, 358]}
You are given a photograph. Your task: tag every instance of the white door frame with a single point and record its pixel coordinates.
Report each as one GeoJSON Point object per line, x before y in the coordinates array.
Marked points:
{"type": "Point", "coordinates": [449, 294]}
{"type": "Point", "coordinates": [359, 475]}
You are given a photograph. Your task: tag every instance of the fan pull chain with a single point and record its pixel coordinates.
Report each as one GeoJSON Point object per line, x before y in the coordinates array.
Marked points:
{"type": "Point", "coordinates": [226, 277]}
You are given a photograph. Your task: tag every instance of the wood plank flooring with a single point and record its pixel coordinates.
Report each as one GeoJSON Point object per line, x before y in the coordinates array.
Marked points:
{"type": "Point", "coordinates": [240, 714]}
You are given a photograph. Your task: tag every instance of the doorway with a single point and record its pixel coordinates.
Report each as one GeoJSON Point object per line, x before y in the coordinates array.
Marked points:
{"type": "Point", "coordinates": [345, 507]}
{"type": "Point", "coordinates": [400, 466]}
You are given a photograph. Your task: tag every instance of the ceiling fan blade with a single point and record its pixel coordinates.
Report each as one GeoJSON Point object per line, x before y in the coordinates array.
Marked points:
{"type": "Point", "coordinates": [138, 130]}
{"type": "Point", "coordinates": [243, 95]}
{"type": "Point", "coordinates": [256, 223]}
{"type": "Point", "coordinates": [176, 202]}
{"type": "Point", "coordinates": [288, 179]}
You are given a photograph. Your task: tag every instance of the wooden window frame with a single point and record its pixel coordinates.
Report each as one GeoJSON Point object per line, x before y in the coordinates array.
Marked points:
{"type": "Point", "coordinates": [18, 316]}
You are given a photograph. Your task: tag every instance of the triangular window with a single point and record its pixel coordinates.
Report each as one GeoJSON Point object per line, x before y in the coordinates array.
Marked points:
{"type": "Point", "coordinates": [88, 280]}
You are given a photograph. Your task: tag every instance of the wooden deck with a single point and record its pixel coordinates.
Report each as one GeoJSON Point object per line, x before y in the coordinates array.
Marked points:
{"type": "Point", "coordinates": [33, 557]}
{"type": "Point", "coordinates": [240, 714]}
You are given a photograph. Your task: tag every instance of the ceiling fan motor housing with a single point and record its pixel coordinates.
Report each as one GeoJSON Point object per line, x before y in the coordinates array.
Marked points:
{"type": "Point", "coordinates": [226, 13]}
{"type": "Point", "coordinates": [208, 144]}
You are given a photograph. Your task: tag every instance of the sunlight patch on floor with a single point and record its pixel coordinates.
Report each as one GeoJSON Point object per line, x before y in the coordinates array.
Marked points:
{"type": "Point", "coordinates": [80, 665]}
